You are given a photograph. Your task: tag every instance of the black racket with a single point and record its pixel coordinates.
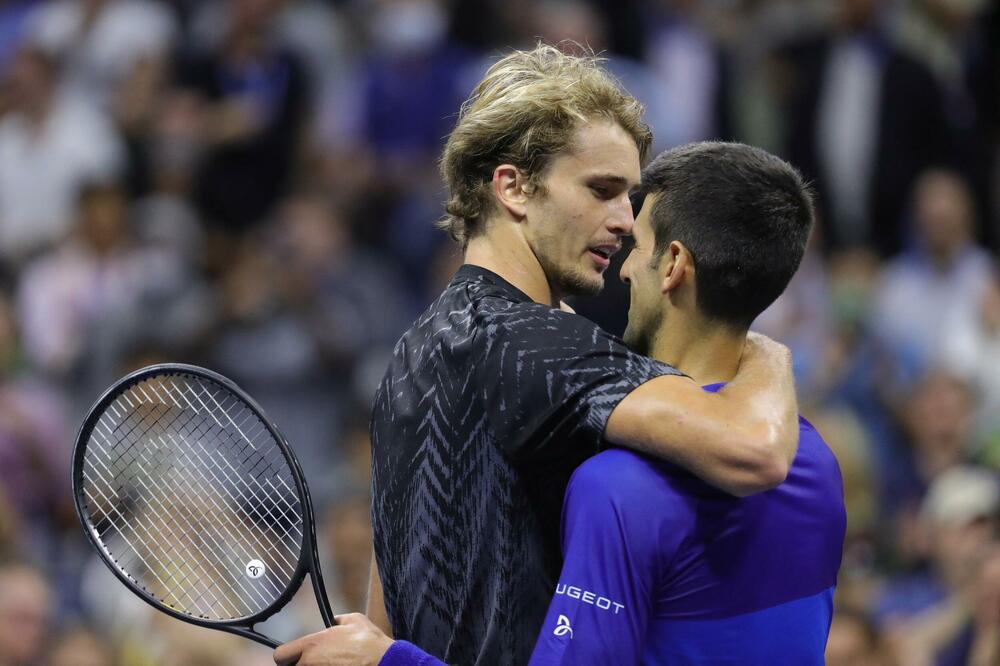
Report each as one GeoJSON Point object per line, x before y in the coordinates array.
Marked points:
{"type": "Point", "coordinates": [195, 501]}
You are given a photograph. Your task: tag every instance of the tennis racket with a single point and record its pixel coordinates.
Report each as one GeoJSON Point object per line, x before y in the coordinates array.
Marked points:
{"type": "Point", "coordinates": [195, 501]}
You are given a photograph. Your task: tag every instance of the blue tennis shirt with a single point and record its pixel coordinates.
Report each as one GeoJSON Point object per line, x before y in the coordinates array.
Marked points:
{"type": "Point", "coordinates": [661, 568]}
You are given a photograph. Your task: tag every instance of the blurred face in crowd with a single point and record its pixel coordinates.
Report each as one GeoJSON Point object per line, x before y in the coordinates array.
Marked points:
{"type": "Point", "coordinates": [408, 26]}
{"type": "Point", "coordinates": [574, 21]}
{"type": "Point", "coordinates": [81, 648]}
{"type": "Point", "coordinates": [575, 220]}
{"type": "Point", "coordinates": [312, 233]}
{"type": "Point", "coordinates": [944, 214]}
{"type": "Point", "coordinates": [858, 13]}
{"type": "Point", "coordinates": [253, 15]}
{"type": "Point", "coordinates": [958, 548]}
{"type": "Point", "coordinates": [851, 642]}
{"type": "Point", "coordinates": [103, 217]}
{"type": "Point", "coordinates": [29, 79]}
{"type": "Point", "coordinates": [939, 419]}
{"type": "Point", "coordinates": [25, 612]}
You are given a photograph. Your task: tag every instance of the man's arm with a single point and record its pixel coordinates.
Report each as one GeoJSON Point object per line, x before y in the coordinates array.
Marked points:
{"type": "Point", "coordinates": [604, 598]}
{"type": "Point", "coordinates": [375, 610]}
{"type": "Point", "coordinates": [742, 439]}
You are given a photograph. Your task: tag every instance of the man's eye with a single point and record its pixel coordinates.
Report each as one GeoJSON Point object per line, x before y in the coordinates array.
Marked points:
{"type": "Point", "coordinates": [599, 191]}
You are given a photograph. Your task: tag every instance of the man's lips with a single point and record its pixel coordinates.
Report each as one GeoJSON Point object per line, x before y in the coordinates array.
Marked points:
{"type": "Point", "coordinates": [601, 254]}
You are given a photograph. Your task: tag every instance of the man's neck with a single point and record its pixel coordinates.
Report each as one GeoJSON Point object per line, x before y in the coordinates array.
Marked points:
{"type": "Point", "coordinates": [708, 353]}
{"type": "Point", "coordinates": [507, 254]}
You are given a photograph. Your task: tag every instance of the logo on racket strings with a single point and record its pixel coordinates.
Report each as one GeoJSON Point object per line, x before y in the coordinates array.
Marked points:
{"type": "Point", "coordinates": [255, 568]}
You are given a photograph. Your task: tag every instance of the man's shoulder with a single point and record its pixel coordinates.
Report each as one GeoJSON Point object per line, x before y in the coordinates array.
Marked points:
{"type": "Point", "coordinates": [628, 479]}
{"type": "Point", "coordinates": [815, 463]}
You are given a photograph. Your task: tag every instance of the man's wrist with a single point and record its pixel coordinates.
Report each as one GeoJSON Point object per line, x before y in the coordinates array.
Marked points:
{"type": "Point", "coordinates": [402, 653]}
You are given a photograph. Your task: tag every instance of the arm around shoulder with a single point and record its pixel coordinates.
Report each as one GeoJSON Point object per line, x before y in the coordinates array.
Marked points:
{"type": "Point", "coordinates": [742, 439]}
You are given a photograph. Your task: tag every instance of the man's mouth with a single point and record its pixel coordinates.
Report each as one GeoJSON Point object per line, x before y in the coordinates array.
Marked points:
{"type": "Point", "coordinates": [606, 251]}
{"type": "Point", "coordinates": [601, 254]}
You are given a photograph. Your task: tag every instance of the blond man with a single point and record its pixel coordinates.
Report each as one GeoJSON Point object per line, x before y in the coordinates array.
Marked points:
{"type": "Point", "coordinates": [495, 395]}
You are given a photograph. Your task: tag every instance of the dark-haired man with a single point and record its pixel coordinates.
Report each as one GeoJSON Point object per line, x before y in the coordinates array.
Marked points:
{"type": "Point", "coordinates": [659, 567]}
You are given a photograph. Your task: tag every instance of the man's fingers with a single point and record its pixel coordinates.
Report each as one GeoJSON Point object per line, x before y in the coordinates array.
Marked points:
{"type": "Point", "coordinates": [288, 653]}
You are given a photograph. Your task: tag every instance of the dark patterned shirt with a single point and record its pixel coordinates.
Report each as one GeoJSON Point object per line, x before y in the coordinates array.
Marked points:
{"type": "Point", "coordinates": [490, 402]}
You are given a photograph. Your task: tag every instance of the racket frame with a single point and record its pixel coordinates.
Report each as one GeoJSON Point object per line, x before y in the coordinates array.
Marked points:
{"type": "Point", "coordinates": [308, 559]}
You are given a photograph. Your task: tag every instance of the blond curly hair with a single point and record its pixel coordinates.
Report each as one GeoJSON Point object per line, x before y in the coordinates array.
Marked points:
{"type": "Point", "coordinates": [524, 112]}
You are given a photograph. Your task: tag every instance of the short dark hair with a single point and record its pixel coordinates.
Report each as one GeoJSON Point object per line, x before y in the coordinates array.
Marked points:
{"type": "Point", "coordinates": [745, 216]}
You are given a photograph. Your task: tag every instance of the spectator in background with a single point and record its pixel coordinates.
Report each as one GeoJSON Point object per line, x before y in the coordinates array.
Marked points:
{"type": "Point", "coordinates": [84, 306]}
{"type": "Point", "coordinates": [35, 438]}
{"type": "Point", "coordinates": [952, 38]}
{"type": "Point", "coordinates": [13, 20]}
{"type": "Point", "coordinates": [25, 614]}
{"type": "Point", "coordinates": [82, 647]}
{"type": "Point", "coordinates": [254, 100]}
{"type": "Point", "coordinates": [935, 627]}
{"type": "Point", "coordinates": [688, 73]}
{"type": "Point", "coordinates": [413, 83]}
{"type": "Point", "coordinates": [944, 277]}
{"type": "Point", "coordinates": [64, 294]}
{"type": "Point", "coordinates": [972, 351]}
{"type": "Point", "coordinates": [853, 641]}
{"type": "Point", "coordinates": [801, 318]}
{"type": "Point", "coordinates": [938, 420]}
{"type": "Point", "coordinates": [50, 146]}
{"type": "Point", "coordinates": [261, 315]}
{"type": "Point", "coordinates": [102, 43]}
{"type": "Point", "coordinates": [853, 125]}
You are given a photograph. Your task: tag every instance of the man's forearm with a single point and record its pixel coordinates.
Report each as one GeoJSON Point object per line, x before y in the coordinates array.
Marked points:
{"type": "Point", "coordinates": [742, 439]}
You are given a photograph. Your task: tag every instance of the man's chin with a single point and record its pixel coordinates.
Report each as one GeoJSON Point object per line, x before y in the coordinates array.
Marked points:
{"type": "Point", "coordinates": [579, 285]}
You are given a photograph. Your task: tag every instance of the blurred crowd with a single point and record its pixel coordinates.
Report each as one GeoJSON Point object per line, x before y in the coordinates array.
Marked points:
{"type": "Point", "coordinates": [250, 185]}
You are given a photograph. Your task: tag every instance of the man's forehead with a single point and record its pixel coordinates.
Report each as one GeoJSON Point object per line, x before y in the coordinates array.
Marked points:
{"type": "Point", "coordinates": [605, 149]}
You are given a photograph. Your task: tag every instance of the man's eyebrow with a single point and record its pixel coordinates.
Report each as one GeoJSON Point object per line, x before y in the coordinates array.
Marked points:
{"type": "Point", "coordinates": [613, 178]}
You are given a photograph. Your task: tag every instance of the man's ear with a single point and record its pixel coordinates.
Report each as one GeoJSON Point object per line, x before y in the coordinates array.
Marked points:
{"type": "Point", "coordinates": [512, 189]}
{"type": "Point", "coordinates": [676, 266]}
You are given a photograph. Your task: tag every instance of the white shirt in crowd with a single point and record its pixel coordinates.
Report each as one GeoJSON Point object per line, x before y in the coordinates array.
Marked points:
{"type": "Point", "coordinates": [42, 169]}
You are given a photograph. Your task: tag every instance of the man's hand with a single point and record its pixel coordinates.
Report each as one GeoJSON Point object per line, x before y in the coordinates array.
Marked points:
{"type": "Point", "coordinates": [354, 641]}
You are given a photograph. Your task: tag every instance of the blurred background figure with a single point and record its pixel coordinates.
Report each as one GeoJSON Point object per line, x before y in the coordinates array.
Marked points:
{"type": "Point", "coordinates": [253, 97]}
{"type": "Point", "coordinates": [853, 641]}
{"type": "Point", "coordinates": [250, 185]}
{"type": "Point", "coordinates": [50, 146]}
{"type": "Point", "coordinates": [26, 612]}
{"type": "Point", "coordinates": [853, 127]}
{"type": "Point", "coordinates": [923, 292]}
{"type": "Point", "coordinates": [82, 647]}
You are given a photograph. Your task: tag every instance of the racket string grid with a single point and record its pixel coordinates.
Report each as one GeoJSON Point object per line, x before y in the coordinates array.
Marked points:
{"type": "Point", "coordinates": [185, 487]}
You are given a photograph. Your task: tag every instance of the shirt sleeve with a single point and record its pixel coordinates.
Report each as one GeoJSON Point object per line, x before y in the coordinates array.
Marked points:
{"type": "Point", "coordinates": [402, 653]}
{"type": "Point", "coordinates": [606, 591]}
{"type": "Point", "coordinates": [550, 380]}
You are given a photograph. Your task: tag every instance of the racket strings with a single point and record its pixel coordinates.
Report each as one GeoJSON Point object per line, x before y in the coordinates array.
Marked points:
{"type": "Point", "coordinates": [192, 498]}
